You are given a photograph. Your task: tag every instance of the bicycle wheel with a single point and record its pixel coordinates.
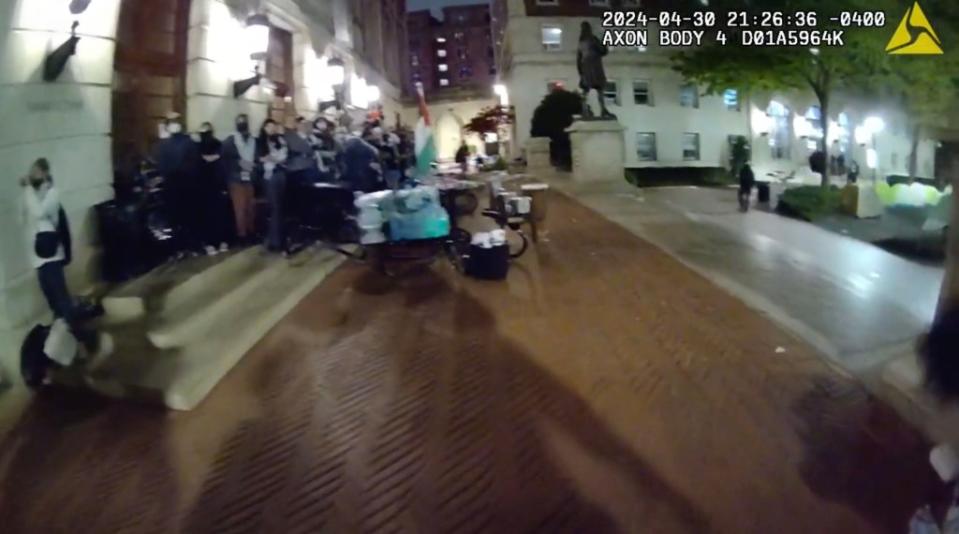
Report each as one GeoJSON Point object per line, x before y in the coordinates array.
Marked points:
{"type": "Point", "coordinates": [523, 245]}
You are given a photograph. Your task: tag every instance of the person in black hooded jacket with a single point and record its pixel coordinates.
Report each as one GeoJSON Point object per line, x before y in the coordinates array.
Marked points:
{"type": "Point", "coordinates": [214, 199]}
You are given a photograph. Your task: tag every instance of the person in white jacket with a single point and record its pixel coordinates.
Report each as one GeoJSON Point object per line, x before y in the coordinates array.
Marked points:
{"type": "Point", "coordinates": [48, 249]}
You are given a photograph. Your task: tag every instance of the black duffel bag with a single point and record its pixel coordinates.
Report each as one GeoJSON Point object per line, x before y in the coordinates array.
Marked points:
{"type": "Point", "coordinates": [488, 263]}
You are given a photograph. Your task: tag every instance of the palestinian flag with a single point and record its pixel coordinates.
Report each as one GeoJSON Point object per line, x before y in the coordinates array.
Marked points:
{"type": "Point", "coordinates": [425, 145]}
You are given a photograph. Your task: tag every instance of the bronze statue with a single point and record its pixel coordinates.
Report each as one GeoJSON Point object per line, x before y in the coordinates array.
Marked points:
{"type": "Point", "coordinates": [589, 63]}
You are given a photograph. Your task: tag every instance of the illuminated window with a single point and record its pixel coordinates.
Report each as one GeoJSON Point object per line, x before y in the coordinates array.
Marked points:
{"type": "Point", "coordinates": [599, 3]}
{"type": "Point", "coordinates": [779, 135]}
{"type": "Point", "coordinates": [689, 96]}
{"type": "Point", "coordinates": [444, 82]}
{"type": "Point", "coordinates": [442, 67]}
{"type": "Point", "coordinates": [731, 99]}
{"type": "Point", "coordinates": [441, 39]}
{"type": "Point", "coordinates": [690, 146]}
{"type": "Point", "coordinates": [552, 37]}
{"type": "Point", "coordinates": [843, 133]}
{"type": "Point", "coordinates": [814, 116]}
{"type": "Point", "coordinates": [441, 53]}
{"type": "Point", "coordinates": [646, 146]}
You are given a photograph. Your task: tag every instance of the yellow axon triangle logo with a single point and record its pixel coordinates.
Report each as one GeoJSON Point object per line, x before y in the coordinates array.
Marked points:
{"type": "Point", "coordinates": [914, 35]}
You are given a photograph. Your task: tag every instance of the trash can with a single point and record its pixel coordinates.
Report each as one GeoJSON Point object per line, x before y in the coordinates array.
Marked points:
{"type": "Point", "coordinates": [763, 192]}
{"type": "Point", "coordinates": [538, 193]}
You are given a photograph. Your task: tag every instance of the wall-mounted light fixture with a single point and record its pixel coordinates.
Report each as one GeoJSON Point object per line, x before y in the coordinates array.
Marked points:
{"type": "Point", "coordinates": [240, 87]}
{"type": "Point", "coordinates": [57, 60]}
{"type": "Point", "coordinates": [257, 37]}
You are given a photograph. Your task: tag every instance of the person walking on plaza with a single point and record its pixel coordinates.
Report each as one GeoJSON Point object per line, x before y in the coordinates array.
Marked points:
{"type": "Point", "coordinates": [463, 157]}
{"type": "Point", "coordinates": [272, 153]}
{"type": "Point", "coordinates": [50, 248]}
{"type": "Point", "coordinates": [178, 161]}
{"type": "Point", "coordinates": [213, 194]}
{"type": "Point", "coordinates": [746, 182]}
{"type": "Point", "coordinates": [239, 164]}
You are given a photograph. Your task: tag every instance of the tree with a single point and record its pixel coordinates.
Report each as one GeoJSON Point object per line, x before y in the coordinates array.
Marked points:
{"type": "Point", "coordinates": [492, 120]}
{"type": "Point", "coordinates": [822, 70]}
{"type": "Point", "coordinates": [551, 118]}
{"type": "Point", "coordinates": [926, 86]}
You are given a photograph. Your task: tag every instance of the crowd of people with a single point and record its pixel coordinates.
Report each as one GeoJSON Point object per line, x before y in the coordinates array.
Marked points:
{"type": "Point", "coordinates": [211, 186]}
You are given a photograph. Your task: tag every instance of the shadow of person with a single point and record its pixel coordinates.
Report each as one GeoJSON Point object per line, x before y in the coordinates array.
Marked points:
{"type": "Point", "coordinates": [423, 419]}
{"type": "Point", "coordinates": [78, 462]}
{"type": "Point", "coordinates": [857, 452]}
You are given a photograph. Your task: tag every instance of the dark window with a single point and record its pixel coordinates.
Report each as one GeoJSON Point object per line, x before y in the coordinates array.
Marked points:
{"type": "Point", "coordinates": [646, 146]}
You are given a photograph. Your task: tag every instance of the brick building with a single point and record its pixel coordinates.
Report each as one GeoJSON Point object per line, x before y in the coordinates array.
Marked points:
{"type": "Point", "coordinates": [454, 55]}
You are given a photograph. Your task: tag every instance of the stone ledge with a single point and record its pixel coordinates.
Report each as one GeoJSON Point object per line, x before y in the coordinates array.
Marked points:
{"type": "Point", "coordinates": [596, 126]}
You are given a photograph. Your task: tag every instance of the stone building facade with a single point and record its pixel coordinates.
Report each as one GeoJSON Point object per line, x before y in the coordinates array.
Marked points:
{"type": "Point", "coordinates": [139, 59]}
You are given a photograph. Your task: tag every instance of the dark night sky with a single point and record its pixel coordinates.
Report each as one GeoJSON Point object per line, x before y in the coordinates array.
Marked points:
{"type": "Point", "coordinates": [436, 5]}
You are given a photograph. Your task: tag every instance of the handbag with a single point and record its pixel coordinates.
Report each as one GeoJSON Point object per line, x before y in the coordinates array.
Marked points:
{"type": "Point", "coordinates": [46, 244]}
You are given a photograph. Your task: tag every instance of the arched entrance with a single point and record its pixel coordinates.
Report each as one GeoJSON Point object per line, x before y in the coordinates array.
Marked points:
{"type": "Point", "coordinates": [449, 134]}
{"type": "Point", "coordinates": [149, 73]}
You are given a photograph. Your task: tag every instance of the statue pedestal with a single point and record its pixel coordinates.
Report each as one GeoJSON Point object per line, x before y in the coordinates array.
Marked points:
{"type": "Point", "coordinates": [537, 154]}
{"type": "Point", "coordinates": [598, 150]}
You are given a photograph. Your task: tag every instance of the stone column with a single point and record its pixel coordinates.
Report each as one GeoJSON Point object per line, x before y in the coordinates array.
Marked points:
{"type": "Point", "coordinates": [598, 151]}
{"type": "Point", "coordinates": [537, 154]}
{"type": "Point", "coordinates": [68, 122]}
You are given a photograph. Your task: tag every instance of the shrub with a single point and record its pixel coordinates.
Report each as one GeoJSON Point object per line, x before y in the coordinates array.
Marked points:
{"type": "Point", "coordinates": [809, 202]}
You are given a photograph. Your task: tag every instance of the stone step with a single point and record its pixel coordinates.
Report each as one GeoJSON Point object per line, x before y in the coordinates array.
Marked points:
{"type": "Point", "coordinates": [182, 376]}
{"type": "Point", "coordinates": [170, 284]}
{"type": "Point", "coordinates": [195, 314]}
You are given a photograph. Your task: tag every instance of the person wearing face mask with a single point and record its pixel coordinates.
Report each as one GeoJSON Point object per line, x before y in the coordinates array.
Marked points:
{"type": "Point", "coordinates": [272, 153]}
{"type": "Point", "coordinates": [178, 161]}
{"type": "Point", "coordinates": [301, 165]}
{"type": "Point", "coordinates": [49, 244]}
{"type": "Point", "coordinates": [239, 164]}
{"type": "Point", "coordinates": [215, 212]}
{"type": "Point", "coordinates": [361, 163]}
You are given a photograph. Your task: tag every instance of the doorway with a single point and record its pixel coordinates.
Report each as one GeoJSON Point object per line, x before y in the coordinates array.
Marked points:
{"type": "Point", "coordinates": [149, 76]}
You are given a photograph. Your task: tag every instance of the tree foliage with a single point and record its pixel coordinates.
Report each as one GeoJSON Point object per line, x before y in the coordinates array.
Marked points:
{"type": "Point", "coordinates": [822, 70]}
{"type": "Point", "coordinates": [491, 120]}
{"type": "Point", "coordinates": [926, 86]}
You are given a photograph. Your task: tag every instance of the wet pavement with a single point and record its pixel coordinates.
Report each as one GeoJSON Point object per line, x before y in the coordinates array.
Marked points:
{"type": "Point", "coordinates": [854, 301]}
{"type": "Point", "coordinates": [604, 387]}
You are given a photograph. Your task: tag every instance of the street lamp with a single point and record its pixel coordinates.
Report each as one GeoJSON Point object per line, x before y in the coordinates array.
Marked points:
{"type": "Point", "coordinates": [336, 71]}
{"type": "Point", "coordinates": [257, 37]}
